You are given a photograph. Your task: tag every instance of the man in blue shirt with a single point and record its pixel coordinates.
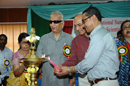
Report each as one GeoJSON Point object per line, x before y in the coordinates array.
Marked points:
{"type": "Point", "coordinates": [101, 61]}
{"type": "Point", "coordinates": [5, 60]}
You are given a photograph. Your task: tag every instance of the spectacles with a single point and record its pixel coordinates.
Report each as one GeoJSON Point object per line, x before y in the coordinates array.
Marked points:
{"type": "Point", "coordinates": [83, 20]}
{"type": "Point", "coordinates": [25, 42]}
{"type": "Point", "coordinates": [125, 27]}
{"type": "Point", "coordinates": [55, 21]}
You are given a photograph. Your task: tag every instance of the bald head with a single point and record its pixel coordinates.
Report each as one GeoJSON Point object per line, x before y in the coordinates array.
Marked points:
{"type": "Point", "coordinates": [78, 24]}
{"type": "Point", "coordinates": [78, 18]}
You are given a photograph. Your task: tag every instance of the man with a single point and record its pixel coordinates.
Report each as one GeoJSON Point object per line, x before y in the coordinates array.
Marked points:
{"type": "Point", "coordinates": [78, 49]}
{"type": "Point", "coordinates": [52, 45]}
{"type": "Point", "coordinates": [101, 59]}
{"type": "Point", "coordinates": [5, 60]}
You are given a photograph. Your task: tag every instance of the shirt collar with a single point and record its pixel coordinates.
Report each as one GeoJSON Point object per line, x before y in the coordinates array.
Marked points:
{"type": "Point", "coordinates": [125, 40]}
{"type": "Point", "coordinates": [4, 49]}
{"type": "Point", "coordinates": [61, 36]}
{"type": "Point", "coordinates": [84, 36]}
{"type": "Point", "coordinates": [95, 29]}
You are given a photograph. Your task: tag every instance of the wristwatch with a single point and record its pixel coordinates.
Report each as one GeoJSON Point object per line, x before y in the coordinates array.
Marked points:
{"type": "Point", "coordinates": [70, 74]}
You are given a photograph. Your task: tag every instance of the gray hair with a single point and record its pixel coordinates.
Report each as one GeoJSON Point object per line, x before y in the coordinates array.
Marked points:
{"type": "Point", "coordinates": [60, 14]}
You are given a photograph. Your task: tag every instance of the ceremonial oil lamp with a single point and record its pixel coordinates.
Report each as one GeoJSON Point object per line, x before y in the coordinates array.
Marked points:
{"type": "Point", "coordinates": [32, 61]}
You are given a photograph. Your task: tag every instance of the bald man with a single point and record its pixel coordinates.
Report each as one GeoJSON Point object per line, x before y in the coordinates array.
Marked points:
{"type": "Point", "coordinates": [79, 47]}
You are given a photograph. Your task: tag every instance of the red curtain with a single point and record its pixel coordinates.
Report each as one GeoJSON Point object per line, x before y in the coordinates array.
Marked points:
{"type": "Point", "coordinates": [68, 26]}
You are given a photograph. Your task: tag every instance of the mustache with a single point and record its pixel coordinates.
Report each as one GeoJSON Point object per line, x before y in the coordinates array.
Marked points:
{"type": "Point", "coordinates": [84, 28]}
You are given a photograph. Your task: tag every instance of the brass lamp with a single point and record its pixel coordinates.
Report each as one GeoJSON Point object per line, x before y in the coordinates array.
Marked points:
{"type": "Point", "coordinates": [32, 61]}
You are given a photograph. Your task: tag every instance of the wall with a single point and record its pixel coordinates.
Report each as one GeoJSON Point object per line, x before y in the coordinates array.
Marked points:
{"type": "Point", "coordinates": [12, 23]}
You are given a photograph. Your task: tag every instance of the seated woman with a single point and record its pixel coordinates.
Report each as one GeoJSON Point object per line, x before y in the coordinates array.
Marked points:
{"type": "Point", "coordinates": [124, 53]}
{"type": "Point", "coordinates": [17, 76]}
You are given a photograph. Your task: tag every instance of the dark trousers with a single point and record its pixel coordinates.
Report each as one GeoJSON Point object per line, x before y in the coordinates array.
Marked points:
{"type": "Point", "coordinates": [4, 81]}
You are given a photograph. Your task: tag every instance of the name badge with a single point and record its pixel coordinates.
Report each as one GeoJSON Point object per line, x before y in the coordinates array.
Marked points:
{"type": "Point", "coordinates": [7, 64]}
{"type": "Point", "coordinates": [66, 51]}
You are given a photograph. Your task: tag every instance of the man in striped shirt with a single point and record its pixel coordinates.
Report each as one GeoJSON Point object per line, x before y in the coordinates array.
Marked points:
{"type": "Point", "coordinates": [79, 47]}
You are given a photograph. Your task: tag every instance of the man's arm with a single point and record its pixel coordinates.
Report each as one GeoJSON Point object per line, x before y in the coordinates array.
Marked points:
{"type": "Point", "coordinates": [72, 81]}
{"type": "Point", "coordinates": [94, 53]}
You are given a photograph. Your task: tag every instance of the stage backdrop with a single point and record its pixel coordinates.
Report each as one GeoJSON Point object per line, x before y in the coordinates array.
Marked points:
{"type": "Point", "coordinates": [113, 25]}
{"type": "Point", "coordinates": [38, 16]}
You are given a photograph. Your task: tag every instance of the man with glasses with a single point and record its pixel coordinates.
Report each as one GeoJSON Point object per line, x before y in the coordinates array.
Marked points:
{"type": "Point", "coordinates": [101, 60]}
{"type": "Point", "coordinates": [52, 45]}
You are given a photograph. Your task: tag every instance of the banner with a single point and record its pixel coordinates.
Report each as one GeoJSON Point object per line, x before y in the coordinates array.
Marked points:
{"type": "Point", "coordinates": [113, 25]}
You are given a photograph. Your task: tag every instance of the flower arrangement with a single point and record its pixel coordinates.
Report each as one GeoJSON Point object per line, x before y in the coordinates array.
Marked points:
{"type": "Point", "coordinates": [31, 39]}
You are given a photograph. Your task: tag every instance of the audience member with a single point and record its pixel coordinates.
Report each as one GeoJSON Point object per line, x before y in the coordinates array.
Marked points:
{"type": "Point", "coordinates": [5, 60]}
{"type": "Point", "coordinates": [119, 35]}
{"type": "Point", "coordinates": [52, 45]}
{"type": "Point", "coordinates": [124, 54]}
{"type": "Point", "coordinates": [17, 76]}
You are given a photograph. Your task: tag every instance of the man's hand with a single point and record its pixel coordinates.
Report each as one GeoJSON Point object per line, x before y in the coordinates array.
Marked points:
{"type": "Point", "coordinates": [72, 81]}
{"type": "Point", "coordinates": [55, 69]}
{"type": "Point", "coordinates": [63, 70]}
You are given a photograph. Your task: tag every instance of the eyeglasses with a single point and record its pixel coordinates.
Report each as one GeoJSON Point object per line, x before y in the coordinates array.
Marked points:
{"type": "Point", "coordinates": [83, 20]}
{"type": "Point", "coordinates": [55, 21]}
{"type": "Point", "coordinates": [25, 42]}
{"type": "Point", "coordinates": [125, 27]}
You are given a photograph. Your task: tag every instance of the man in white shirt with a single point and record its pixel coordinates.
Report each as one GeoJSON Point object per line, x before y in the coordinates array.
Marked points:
{"type": "Point", "coordinates": [5, 60]}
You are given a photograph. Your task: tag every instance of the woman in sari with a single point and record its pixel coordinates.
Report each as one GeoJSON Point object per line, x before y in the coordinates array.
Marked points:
{"type": "Point", "coordinates": [17, 76]}
{"type": "Point", "coordinates": [124, 54]}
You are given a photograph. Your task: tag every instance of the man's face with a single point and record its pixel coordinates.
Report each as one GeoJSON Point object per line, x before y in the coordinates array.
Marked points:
{"type": "Point", "coordinates": [79, 25]}
{"type": "Point", "coordinates": [56, 27]}
{"type": "Point", "coordinates": [87, 21]}
{"type": "Point", "coordinates": [3, 41]}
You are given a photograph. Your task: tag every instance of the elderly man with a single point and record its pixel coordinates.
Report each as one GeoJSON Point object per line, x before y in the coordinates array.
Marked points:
{"type": "Point", "coordinates": [5, 60]}
{"type": "Point", "coordinates": [101, 59]}
{"type": "Point", "coordinates": [52, 45]}
{"type": "Point", "coordinates": [78, 49]}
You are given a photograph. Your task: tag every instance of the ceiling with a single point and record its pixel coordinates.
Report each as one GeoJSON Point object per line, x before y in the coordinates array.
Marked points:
{"type": "Point", "coordinates": [26, 3]}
